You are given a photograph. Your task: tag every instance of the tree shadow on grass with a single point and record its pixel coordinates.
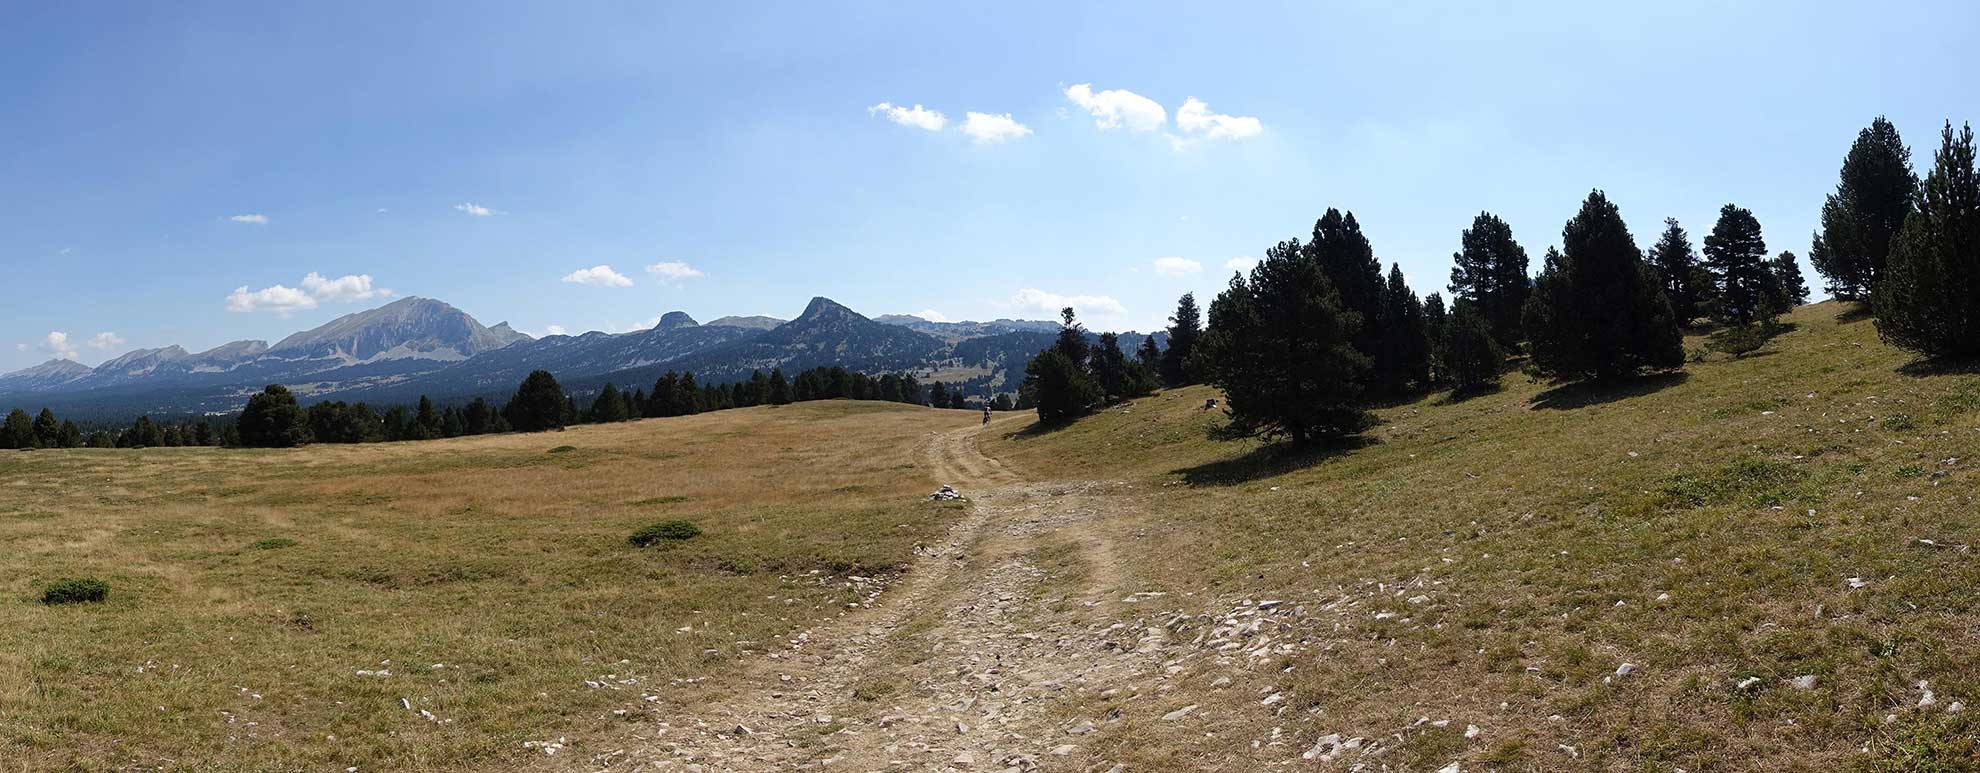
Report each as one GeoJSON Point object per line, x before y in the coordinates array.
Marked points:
{"type": "Point", "coordinates": [1582, 394]}
{"type": "Point", "coordinates": [1268, 462]}
{"type": "Point", "coordinates": [1855, 312]}
{"type": "Point", "coordinates": [1456, 396]}
{"type": "Point", "coordinates": [1939, 366]}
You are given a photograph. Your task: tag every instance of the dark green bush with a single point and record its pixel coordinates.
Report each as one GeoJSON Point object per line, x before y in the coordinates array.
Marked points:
{"type": "Point", "coordinates": [563, 449]}
{"type": "Point", "coordinates": [665, 531]}
{"type": "Point", "coordinates": [78, 591]}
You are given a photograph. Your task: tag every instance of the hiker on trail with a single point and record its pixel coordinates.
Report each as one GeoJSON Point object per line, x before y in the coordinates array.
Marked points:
{"type": "Point", "coordinates": [986, 413]}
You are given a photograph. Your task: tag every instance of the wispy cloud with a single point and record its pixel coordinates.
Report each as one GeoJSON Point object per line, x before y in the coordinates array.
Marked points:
{"type": "Point", "coordinates": [673, 271]}
{"type": "Point", "coordinates": [989, 129]}
{"type": "Point", "coordinates": [931, 315]}
{"type": "Point", "coordinates": [1033, 299]}
{"type": "Point", "coordinates": [1240, 263]}
{"type": "Point", "coordinates": [598, 276]}
{"type": "Point", "coordinates": [475, 209]}
{"type": "Point", "coordinates": [1173, 266]}
{"type": "Point", "coordinates": [106, 340]}
{"type": "Point", "coordinates": [284, 300]}
{"type": "Point", "coordinates": [918, 117]}
{"type": "Point", "coordinates": [251, 219]}
{"type": "Point", "coordinates": [1118, 108]}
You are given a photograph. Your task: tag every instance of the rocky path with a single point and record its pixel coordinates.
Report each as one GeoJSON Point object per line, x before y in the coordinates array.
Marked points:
{"type": "Point", "coordinates": [966, 664]}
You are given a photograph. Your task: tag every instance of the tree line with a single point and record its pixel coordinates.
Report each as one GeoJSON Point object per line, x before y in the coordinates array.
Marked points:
{"type": "Point", "coordinates": [274, 418]}
{"type": "Point", "coordinates": [1314, 334]}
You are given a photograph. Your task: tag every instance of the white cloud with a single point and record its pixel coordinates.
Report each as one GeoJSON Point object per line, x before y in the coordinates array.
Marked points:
{"type": "Point", "coordinates": [20, 347]}
{"type": "Point", "coordinates": [1240, 263]}
{"type": "Point", "coordinates": [343, 289]}
{"type": "Point", "coordinates": [279, 299]}
{"type": "Point", "coordinates": [1195, 119]}
{"type": "Point", "coordinates": [917, 116]}
{"type": "Point", "coordinates": [598, 276]}
{"type": "Point", "coordinates": [555, 330]}
{"type": "Point", "coordinates": [106, 341]}
{"type": "Point", "coordinates": [252, 219]}
{"type": "Point", "coordinates": [1172, 266]}
{"type": "Point", "coordinates": [1032, 299]}
{"type": "Point", "coordinates": [673, 271]}
{"type": "Point", "coordinates": [1118, 108]}
{"type": "Point", "coordinates": [992, 128]}
{"type": "Point", "coordinates": [285, 300]}
{"type": "Point", "coordinates": [931, 315]}
{"type": "Point", "coordinates": [57, 343]}
{"type": "Point", "coordinates": [475, 209]}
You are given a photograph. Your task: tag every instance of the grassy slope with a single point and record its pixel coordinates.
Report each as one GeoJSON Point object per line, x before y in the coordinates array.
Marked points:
{"type": "Point", "coordinates": [503, 558]}
{"type": "Point", "coordinates": [1544, 525]}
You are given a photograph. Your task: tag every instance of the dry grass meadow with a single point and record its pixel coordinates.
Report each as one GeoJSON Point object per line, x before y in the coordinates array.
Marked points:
{"type": "Point", "coordinates": [1494, 562]}
{"type": "Point", "coordinates": [490, 576]}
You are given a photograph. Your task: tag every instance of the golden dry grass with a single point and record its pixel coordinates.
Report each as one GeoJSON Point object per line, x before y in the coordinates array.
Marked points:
{"type": "Point", "coordinates": [491, 576]}
{"type": "Point", "coordinates": [1542, 525]}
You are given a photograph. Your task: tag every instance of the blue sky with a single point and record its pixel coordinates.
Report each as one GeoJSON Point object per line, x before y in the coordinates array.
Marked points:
{"type": "Point", "coordinates": [156, 157]}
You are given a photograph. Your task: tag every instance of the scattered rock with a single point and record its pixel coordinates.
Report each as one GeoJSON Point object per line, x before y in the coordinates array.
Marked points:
{"type": "Point", "coordinates": [1625, 670]}
{"type": "Point", "coordinates": [1928, 700]}
{"type": "Point", "coordinates": [1803, 682]}
{"type": "Point", "coordinates": [945, 494]}
{"type": "Point", "coordinates": [1179, 713]}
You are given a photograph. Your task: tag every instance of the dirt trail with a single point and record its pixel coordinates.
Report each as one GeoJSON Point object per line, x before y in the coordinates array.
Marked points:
{"type": "Point", "coordinates": [960, 666]}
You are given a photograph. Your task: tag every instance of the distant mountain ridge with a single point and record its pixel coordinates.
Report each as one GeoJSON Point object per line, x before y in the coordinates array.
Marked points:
{"type": "Point", "coordinates": [418, 346]}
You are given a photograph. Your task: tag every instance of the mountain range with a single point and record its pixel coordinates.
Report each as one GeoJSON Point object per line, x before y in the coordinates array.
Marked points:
{"type": "Point", "coordinates": [419, 346]}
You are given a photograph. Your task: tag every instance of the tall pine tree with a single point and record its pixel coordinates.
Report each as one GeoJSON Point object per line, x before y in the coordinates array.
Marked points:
{"type": "Point", "coordinates": [1280, 346]}
{"type": "Point", "coordinates": [1185, 327]}
{"type": "Point", "coordinates": [1790, 288]}
{"type": "Point", "coordinates": [1859, 221]}
{"type": "Point", "coordinates": [1737, 256]}
{"type": "Point", "coordinates": [1490, 270]}
{"type": "Point", "coordinates": [1342, 253]}
{"type": "Point", "coordinates": [1928, 299]}
{"type": "Point", "coordinates": [1597, 311]}
{"type": "Point", "coordinates": [1402, 363]}
{"type": "Point", "coordinates": [1684, 280]}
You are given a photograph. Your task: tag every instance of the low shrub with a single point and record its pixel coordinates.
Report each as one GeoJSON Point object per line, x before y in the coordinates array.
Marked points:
{"type": "Point", "coordinates": [86, 590]}
{"type": "Point", "coordinates": [665, 531]}
{"type": "Point", "coordinates": [563, 449]}
{"type": "Point", "coordinates": [273, 543]}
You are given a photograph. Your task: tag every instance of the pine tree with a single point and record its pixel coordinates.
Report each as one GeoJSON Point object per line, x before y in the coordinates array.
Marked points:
{"type": "Point", "coordinates": [272, 419]}
{"type": "Point", "coordinates": [1403, 362]}
{"type": "Point", "coordinates": [1472, 356]}
{"type": "Point", "coordinates": [1597, 311]}
{"type": "Point", "coordinates": [18, 431]}
{"type": "Point", "coordinates": [759, 389]}
{"type": "Point", "coordinates": [1185, 327]}
{"type": "Point", "coordinates": [1862, 218]}
{"type": "Point", "coordinates": [1118, 377]}
{"type": "Point", "coordinates": [202, 432]}
{"type": "Point", "coordinates": [1348, 261]}
{"type": "Point", "coordinates": [1790, 290]}
{"type": "Point", "coordinates": [71, 436]}
{"type": "Point", "coordinates": [938, 395]}
{"type": "Point", "coordinates": [1737, 256]}
{"type": "Point", "coordinates": [1928, 297]}
{"type": "Point", "coordinates": [666, 397]}
{"type": "Point", "coordinates": [1002, 402]}
{"type": "Point", "coordinates": [1064, 391]}
{"type": "Point", "coordinates": [1280, 346]}
{"type": "Point", "coordinates": [1679, 272]}
{"type": "Point", "coordinates": [1071, 341]}
{"type": "Point", "coordinates": [1491, 272]}
{"type": "Point", "coordinates": [780, 387]}
{"type": "Point", "coordinates": [1149, 353]}
{"type": "Point", "coordinates": [478, 418]}
{"type": "Point", "coordinates": [570, 414]}
{"type": "Point", "coordinates": [690, 396]}
{"type": "Point", "coordinates": [47, 430]}
{"type": "Point", "coordinates": [537, 405]}
{"type": "Point", "coordinates": [609, 406]}
{"type": "Point", "coordinates": [146, 433]}
{"type": "Point", "coordinates": [430, 423]}
{"type": "Point", "coordinates": [1058, 377]}
{"type": "Point", "coordinates": [1436, 324]}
